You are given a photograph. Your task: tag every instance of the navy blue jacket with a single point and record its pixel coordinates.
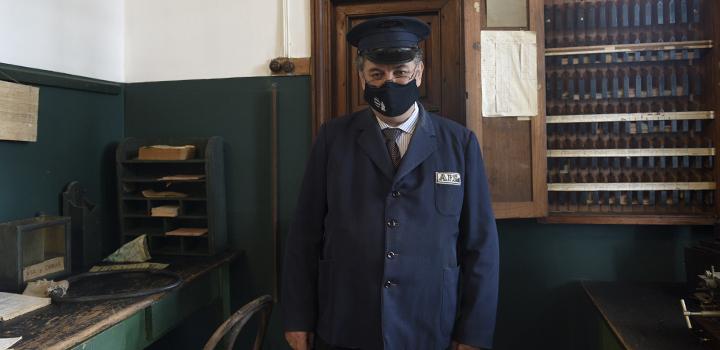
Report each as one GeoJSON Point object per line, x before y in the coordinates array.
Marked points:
{"type": "Point", "coordinates": [378, 259]}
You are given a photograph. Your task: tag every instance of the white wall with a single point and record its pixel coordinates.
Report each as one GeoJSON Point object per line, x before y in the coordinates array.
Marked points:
{"type": "Point", "coordinates": [190, 39]}
{"type": "Point", "coordinates": [81, 37]}
{"type": "Point", "coordinates": [151, 40]}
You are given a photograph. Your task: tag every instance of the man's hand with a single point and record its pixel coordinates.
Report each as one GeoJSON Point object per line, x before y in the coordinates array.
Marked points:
{"type": "Point", "coordinates": [456, 346]}
{"type": "Point", "coordinates": [300, 340]}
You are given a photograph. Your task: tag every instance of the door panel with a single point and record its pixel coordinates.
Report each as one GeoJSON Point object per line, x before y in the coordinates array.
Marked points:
{"type": "Point", "coordinates": [508, 159]}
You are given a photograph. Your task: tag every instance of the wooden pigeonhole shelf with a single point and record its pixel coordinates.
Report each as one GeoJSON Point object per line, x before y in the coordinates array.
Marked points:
{"type": "Point", "coordinates": [198, 194]}
{"type": "Point", "coordinates": [631, 98]}
{"type": "Point", "coordinates": [626, 129]}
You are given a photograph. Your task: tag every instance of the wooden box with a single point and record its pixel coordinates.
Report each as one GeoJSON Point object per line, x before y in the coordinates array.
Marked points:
{"type": "Point", "coordinates": [32, 249]}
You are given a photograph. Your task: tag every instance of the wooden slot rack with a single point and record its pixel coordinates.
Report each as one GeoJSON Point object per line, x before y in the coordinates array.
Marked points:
{"type": "Point", "coordinates": [199, 186]}
{"type": "Point", "coordinates": [618, 48]}
{"type": "Point", "coordinates": [632, 88]}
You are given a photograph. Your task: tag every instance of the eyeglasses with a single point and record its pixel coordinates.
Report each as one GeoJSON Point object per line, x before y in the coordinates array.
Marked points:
{"type": "Point", "coordinates": [401, 75]}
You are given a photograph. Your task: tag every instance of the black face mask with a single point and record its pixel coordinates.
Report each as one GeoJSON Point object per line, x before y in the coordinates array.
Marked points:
{"type": "Point", "coordinates": [392, 99]}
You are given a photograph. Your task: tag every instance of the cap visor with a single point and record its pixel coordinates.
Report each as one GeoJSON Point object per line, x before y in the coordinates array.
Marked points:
{"type": "Point", "coordinates": [389, 57]}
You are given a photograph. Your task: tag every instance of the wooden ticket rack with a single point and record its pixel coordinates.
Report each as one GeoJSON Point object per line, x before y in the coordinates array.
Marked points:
{"type": "Point", "coordinates": [632, 91]}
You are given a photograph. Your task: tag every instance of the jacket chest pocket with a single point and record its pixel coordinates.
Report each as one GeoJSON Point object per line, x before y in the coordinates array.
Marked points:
{"type": "Point", "coordinates": [448, 199]}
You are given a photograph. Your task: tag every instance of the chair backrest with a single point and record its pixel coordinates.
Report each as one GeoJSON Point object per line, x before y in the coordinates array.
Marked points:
{"type": "Point", "coordinates": [232, 326]}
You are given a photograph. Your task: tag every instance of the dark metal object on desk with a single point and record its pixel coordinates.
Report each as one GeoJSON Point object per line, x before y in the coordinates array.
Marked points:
{"type": "Point", "coordinates": [58, 297]}
{"type": "Point", "coordinates": [703, 290]}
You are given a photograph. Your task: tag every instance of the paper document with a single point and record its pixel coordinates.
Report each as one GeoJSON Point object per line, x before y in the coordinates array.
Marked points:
{"type": "Point", "coordinates": [18, 111]}
{"type": "Point", "coordinates": [138, 266]}
{"type": "Point", "coordinates": [44, 268]}
{"type": "Point", "coordinates": [187, 231]}
{"type": "Point", "coordinates": [167, 211]}
{"type": "Point", "coordinates": [133, 251]}
{"type": "Point", "coordinates": [162, 194]}
{"type": "Point", "coordinates": [6, 343]}
{"type": "Point", "coordinates": [13, 305]}
{"type": "Point", "coordinates": [508, 67]}
{"type": "Point", "coordinates": [182, 177]}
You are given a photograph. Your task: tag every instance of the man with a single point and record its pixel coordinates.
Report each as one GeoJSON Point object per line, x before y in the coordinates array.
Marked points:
{"type": "Point", "coordinates": [394, 244]}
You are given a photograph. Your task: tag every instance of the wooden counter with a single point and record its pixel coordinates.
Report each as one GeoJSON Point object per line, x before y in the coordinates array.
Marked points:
{"type": "Point", "coordinates": [644, 315]}
{"type": "Point", "coordinates": [127, 323]}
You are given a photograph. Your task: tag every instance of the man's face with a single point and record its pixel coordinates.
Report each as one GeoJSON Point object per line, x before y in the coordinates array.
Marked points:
{"type": "Point", "coordinates": [377, 74]}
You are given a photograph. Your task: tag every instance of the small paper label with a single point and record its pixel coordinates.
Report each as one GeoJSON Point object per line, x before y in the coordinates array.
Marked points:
{"type": "Point", "coordinates": [44, 268]}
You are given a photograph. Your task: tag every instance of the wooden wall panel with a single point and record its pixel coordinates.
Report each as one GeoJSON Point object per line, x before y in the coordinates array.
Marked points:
{"type": "Point", "coordinates": [514, 149]}
{"type": "Point", "coordinates": [509, 154]}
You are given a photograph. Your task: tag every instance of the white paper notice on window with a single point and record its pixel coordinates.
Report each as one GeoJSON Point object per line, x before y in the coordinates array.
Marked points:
{"type": "Point", "coordinates": [509, 73]}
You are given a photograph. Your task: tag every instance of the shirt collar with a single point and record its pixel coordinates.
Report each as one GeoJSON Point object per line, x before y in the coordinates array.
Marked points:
{"type": "Point", "coordinates": [407, 126]}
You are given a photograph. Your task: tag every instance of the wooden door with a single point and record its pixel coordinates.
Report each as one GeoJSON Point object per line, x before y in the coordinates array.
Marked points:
{"type": "Point", "coordinates": [513, 148]}
{"type": "Point", "coordinates": [335, 81]}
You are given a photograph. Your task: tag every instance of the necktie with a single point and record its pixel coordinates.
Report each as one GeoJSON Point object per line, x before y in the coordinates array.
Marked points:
{"type": "Point", "coordinates": [391, 135]}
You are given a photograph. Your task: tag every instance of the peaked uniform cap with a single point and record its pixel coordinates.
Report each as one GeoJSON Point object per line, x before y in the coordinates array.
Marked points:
{"type": "Point", "coordinates": [392, 39]}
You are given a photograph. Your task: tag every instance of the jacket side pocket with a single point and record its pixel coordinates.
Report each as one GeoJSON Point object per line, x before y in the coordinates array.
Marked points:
{"type": "Point", "coordinates": [448, 311]}
{"type": "Point", "coordinates": [324, 291]}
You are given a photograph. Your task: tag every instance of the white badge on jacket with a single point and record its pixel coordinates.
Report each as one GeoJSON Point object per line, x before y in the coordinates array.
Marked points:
{"type": "Point", "coordinates": [446, 178]}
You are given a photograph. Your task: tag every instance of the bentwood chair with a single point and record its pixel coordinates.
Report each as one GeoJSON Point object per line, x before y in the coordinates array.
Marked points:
{"type": "Point", "coordinates": [233, 325]}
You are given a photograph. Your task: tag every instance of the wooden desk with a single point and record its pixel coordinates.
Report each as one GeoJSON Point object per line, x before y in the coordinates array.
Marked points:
{"type": "Point", "coordinates": [643, 315]}
{"type": "Point", "coordinates": [127, 323]}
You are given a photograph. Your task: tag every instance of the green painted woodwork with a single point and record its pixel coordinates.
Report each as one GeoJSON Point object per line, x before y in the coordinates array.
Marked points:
{"type": "Point", "coordinates": [608, 340]}
{"type": "Point", "coordinates": [152, 323]}
{"type": "Point", "coordinates": [59, 80]}
{"type": "Point", "coordinates": [237, 109]}
{"type": "Point", "coordinates": [77, 133]}
{"type": "Point", "coordinates": [129, 334]}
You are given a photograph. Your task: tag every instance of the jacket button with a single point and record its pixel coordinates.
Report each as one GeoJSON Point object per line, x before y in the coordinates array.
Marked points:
{"type": "Point", "coordinates": [395, 194]}
{"type": "Point", "coordinates": [393, 223]}
{"type": "Point", "coordinates": [391, 255]}
{"type": "Point", "coordinates": [388, 284]}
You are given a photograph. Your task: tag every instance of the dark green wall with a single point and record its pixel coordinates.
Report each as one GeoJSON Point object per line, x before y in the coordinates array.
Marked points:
{"type": "Point", "coordinates": [541, 303]}
{"type": "Point", "coordinates": [239, 111]}
{"type": "Point", "coordinates": [77, 131]}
